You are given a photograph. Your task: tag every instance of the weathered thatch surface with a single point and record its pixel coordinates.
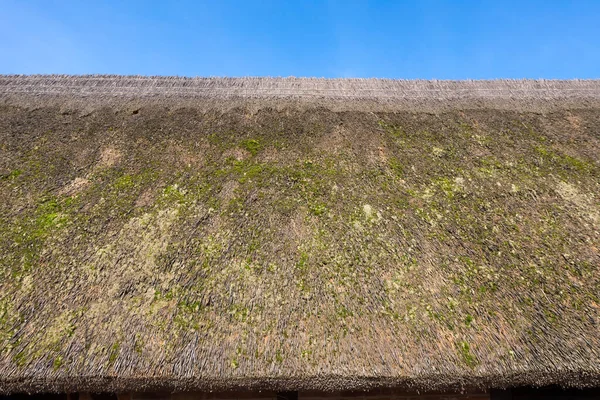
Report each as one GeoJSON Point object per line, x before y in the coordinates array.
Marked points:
{"type": "Point", "coordinates": [186, 242]}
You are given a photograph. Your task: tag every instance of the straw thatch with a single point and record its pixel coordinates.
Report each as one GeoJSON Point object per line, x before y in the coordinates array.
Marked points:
{"type": "Point", "coordinates": [264, 235]}
{"type": "Point", "coordinates": [335, 94]}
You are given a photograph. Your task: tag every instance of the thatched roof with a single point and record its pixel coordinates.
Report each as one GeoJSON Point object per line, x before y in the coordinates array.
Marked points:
{"type": "Point", "coordinates": [298, 234]}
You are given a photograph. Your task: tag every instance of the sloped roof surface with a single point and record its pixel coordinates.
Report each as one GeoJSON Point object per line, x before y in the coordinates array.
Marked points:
{"type": "Point", "coordinates": [296, 239]}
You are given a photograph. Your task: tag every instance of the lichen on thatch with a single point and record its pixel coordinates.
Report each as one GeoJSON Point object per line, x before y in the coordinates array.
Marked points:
{"type": "Point", "coordinates": [299, 247]}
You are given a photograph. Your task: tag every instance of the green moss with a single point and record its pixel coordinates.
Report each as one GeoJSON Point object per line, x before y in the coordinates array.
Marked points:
{"type": "Point", "coordinates": [551, 316]}
{"type": "Point", "coordinates": [190, 306]}
{"type": "Point", "coordinates": [466, 356]}
{"type": "Point", "coordinates": [448, 186]}
{"type": "Point", "coordinates": [239, 312]}
{"type": "Point", "coordinates": [5, 311]}
{"type": "Point", "coordinates": [20, 359]}
{"type": "Point", "coordinates": [251, 145]}
{"type": "Point", "coordinates": [251, 172]}
{"type": "Point", "coordinates": [12, 175]}
{"type": "Point", "coordinates": [246, 170]}
{"type": "Point", "coordinates": [49, 216]}
{"type": "Point", "coordinates": [114, 353]}
{"type": "Point", "coordinates": [543, 151]}
{"type": "Point", "coordinates": [58, 362]}
{"type": "Point", "coordinates": [576, 164]}
{"type": "Point", "coordinates": [468, 320]}
{"type": "Point", "coordinates": [306, 353]}
{"type": "Point", "coordinates": [318, 209]}
{"type": "Point", "coordinates": [394, 131]}
{"type": "Point", "coordinates": [124, 182]}
{"type": "Point", "coordinates": [465, 127]}
{"type": "Point", "coordinates": [70, 329]}
{"type": "Point", "coordinates": [301, 265]}
{"type": "Point", "coordinates": [564, 161]}
{"type": "Point", "coordinates": [174, 194]}
{"type": "Point", "coordinates": [29, 232]}
{"type": "Point", "coordinates": [302, 271]}
{"type": "Point", "coordinates": [158, 295]}
{"type": "Point", "coordinates": [114, 193]}
{"type": "Point", "coordinates": [396, 166]}
{"type": "Point", "coordinates": [343, 312]}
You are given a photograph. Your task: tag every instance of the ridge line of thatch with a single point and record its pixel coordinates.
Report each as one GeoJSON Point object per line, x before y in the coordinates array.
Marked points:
{"type": "Point", "coordinates": [255, 87]}
{"type": "Point", "coordinates": [293, 78]}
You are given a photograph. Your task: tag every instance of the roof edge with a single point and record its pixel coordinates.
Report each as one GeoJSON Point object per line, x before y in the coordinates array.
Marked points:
{"type": "Point", "coordinates": [326, 383]}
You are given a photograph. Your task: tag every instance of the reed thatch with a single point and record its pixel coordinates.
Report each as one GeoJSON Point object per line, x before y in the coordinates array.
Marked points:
{"type": "Point", "coordinates": [252, 237]}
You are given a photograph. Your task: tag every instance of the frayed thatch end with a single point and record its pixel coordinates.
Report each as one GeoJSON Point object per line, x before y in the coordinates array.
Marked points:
{"type": "Point", "coordinates": [321, 383]}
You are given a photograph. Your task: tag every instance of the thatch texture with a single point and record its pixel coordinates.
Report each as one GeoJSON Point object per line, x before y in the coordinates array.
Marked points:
{"type": "Point", "coordinates": [293, 87]}
{"type": "Point", "coordinates": [335, 94]}
{"type": "Point", "coordinates": [183, 245]}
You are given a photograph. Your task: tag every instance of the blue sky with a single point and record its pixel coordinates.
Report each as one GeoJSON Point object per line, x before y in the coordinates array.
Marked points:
{"type": "Point", "coordinates": [394, 39]}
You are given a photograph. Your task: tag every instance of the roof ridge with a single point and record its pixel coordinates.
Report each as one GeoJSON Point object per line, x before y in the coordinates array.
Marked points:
{"type": "Point", "coordinates": [347, 88]}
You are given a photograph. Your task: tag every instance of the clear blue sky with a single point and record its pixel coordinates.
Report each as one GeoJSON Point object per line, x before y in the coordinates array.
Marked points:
{"type": "Point", "coordinates": [395, 39]}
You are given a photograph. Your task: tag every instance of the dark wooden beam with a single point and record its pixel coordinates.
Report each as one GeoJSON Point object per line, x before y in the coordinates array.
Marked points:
{"type": "Point", "coordinates": [501, 394]}
{"type": "Point", "coordinates": [287, 395]}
